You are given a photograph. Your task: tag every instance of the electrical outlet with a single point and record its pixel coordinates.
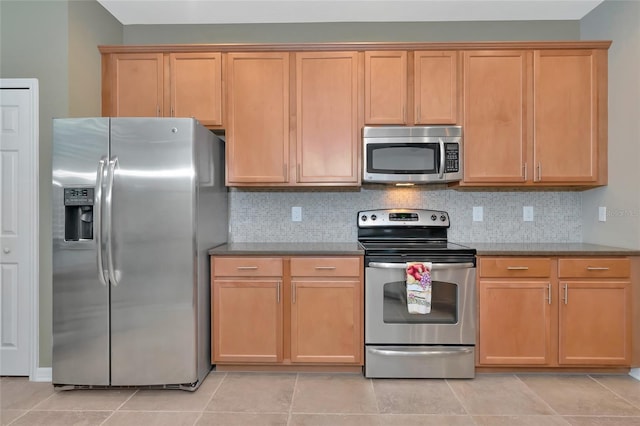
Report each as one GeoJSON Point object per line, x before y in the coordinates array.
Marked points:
{"type": "Point", "coordinates": [296, 214]}
{"type": "Point", "coordinates": [477, 214]}
{"type": "Point", "coordinates": [602, 214]}
{"type": "Point", "coordinates": [527, 213]}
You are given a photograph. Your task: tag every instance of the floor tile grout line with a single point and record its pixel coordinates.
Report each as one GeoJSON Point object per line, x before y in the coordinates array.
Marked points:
{"type": "Point", "coordinates": [16, 419]}
{"type": "Point", "coordinates": [293, 395]}
{"type": "Point", "coordinates": [553, 410]}
{"type": "Point", "coordinates": [614, 392]}
{"type": "Point", "coordinates": [464, 407]}
{"type": "Point", "coordinates": [204, 409]}
{"type": "Point", "coordinates": [118, 407]}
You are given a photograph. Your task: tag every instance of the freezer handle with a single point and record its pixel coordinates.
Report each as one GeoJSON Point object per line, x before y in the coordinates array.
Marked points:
{"type": "Point", "coordinates": [98, 218]}
{"type": "Point", "coordinates": [109, 219]}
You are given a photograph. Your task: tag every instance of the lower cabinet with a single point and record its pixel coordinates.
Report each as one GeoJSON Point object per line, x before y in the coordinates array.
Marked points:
{"type": "Point", "coordinates": [554, 312]}
{"type": "Point", "coordinates": [300, 310]}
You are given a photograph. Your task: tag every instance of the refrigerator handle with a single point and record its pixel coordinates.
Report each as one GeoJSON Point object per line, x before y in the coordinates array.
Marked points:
{"type": "Point", "coordinates": [108, 201]}
{"type": "Point", "coordinates": [98, 218]}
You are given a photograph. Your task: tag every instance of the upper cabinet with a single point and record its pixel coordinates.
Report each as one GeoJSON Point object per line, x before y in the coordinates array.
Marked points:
{"type": "Point", "coordinates": [257, 132]}
{"type": "Point", "coordinates": [535, 118]}
{"type": "Point", "coordinates": [163, 85]}
{"type": "Point", "coordinates": [327, 124]}
{"type": "Point", "coordinates": [533, 114]}
{"type": "Point", "coordinates": [418, 87]}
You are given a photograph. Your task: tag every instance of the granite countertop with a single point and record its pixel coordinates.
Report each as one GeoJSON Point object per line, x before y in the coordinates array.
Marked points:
{"type": "Point", "coordinates": [288, 249]}
{"type": "Point", "coordinates": [549, 249]}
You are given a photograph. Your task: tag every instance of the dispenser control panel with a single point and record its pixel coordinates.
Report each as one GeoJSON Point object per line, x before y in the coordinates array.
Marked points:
{"type": "Point", "coordinates": [78, 196]}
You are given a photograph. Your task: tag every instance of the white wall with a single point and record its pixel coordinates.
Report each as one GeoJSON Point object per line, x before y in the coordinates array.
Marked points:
{"type": "Point", "coordinates": [618, 21]}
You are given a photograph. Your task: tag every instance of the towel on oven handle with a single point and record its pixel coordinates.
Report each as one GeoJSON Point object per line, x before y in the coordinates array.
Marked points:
{"type": "Point", "coordinates": [419, 287]}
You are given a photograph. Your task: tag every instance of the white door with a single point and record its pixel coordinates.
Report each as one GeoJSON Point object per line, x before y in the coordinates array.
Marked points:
{"type": "Point", "coordinates": [18, 215]}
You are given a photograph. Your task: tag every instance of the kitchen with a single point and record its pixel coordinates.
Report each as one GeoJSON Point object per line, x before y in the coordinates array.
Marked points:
{"type": "Point", "coordinates": [558, 216]}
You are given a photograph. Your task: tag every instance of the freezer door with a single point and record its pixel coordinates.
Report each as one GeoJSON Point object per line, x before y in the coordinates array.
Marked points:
{"type": "Point", "coordinates": [80, 299]}
{"type": "Point", "coordinates": [153, 299]}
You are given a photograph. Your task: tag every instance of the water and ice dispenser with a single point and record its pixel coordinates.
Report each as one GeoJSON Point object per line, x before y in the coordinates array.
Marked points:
{"type": "Point", "coordinates": [78, 214]}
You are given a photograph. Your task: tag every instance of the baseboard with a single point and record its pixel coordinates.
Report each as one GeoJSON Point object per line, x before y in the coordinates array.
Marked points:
{"type": "Point", "coordinates": [635, 373]}
{"type": "Point", "coordinates": [42, 375]}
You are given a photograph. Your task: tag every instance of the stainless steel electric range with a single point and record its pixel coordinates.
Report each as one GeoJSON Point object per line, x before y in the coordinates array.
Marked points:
{"type": "Point", "coordinates": [440, 344]}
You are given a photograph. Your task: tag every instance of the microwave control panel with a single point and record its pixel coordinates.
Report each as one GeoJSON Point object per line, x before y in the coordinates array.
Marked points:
{"type": "Point", "coordinates": [451, 157]}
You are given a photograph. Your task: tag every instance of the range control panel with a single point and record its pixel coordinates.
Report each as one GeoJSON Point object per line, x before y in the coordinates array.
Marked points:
{"type": "Point", "coordinates": [402, 217]}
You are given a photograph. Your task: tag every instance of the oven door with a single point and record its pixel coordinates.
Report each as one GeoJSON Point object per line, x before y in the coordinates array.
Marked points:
{"type": "Point", "coordinates": [453, 307]}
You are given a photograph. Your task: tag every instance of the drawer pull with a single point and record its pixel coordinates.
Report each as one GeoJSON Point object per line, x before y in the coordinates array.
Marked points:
{"type": "Point", "coordinates": [325, 268]}
{"type": "Point", "coordinates": [597, 268]}
{"type": "Point", "coordinates": [247, 268]}
{"type": "Point", "coordinates": [517, 268]}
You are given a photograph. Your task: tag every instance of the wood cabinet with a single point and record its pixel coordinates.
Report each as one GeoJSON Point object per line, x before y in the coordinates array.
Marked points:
{"type": "Point", "coordinates": [535, 118]}
{"type": "Point", "coordinates": [246, 308]}
{"type": "Point", "coordinates": [257, 132]}
{"type": "Point", "coordinates": [327, 118]}
{"type": "Point", "coordinates": [163, 85]}
{"type": "Point", "coordinates": [428, 94]}
{"type": "Point", "coordinates": [595, 312]}
{"type": "Point", "coordinates": [554, 312]}
{"type": "Point", "coordinates": [326, 310]}
{"type": "Point", "coordinates": [285, 311]}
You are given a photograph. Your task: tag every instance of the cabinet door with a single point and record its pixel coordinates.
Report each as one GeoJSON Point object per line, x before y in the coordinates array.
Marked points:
{"type": "Point", "coordinates": [385, 87]}
{"type": "Point", "coordinates": [247, 320]}
{"type": "Point", "coordinates": [327, 144]}
{"type": "Point", "coordinates": [257, 131]}
{"type": "Point", "coordinates": [137, 85]}
{"type": "Point", "coordinates": [515, 322]}
{"type": "Point", "coordinates": [565, 116]}
{"type": "Point", "coordinates": [496, 102]}
{"type": "Point", "coordinates": [196, 87]}
{"type": "Point", "coordinates": [436, 87]}
{"type": "Point", "coordinates": [326, 321]}
{"type": "Point", "coordinates": [595, 322]}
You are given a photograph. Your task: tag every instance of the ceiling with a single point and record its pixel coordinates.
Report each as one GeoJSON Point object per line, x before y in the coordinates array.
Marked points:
{"type": "Point", "coordinates": [132, 12]}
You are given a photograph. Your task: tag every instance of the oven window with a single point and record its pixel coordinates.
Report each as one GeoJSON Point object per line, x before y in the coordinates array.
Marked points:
{"type": "Point", "coordinates": [407, 158]}
{"type": "Point", "coordinates": [444, 308]}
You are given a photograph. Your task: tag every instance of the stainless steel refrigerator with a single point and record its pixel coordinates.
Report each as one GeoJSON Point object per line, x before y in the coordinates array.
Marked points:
{"type": "Point", "coordinates": [137, 202]}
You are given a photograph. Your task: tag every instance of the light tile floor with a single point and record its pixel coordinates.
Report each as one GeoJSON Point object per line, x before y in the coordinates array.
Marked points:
{"type": "Point", "coordinates": [306, 399]}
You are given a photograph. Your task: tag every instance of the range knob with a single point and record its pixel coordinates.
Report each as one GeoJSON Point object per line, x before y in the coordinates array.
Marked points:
{"type": "Point", "coordinates": [364, 218]}
{"type": "Point", "coordinates": [374, 217]}
{"type": "Point", "coordinates": [434, 217]}
{"type": "Point", "coordinates": [443, 218]}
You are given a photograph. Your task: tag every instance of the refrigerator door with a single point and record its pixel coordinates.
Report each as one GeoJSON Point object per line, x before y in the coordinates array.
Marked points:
{"type": "Point", "coordinates": [152, 214]}
{"type": "Point", "coordinates": [80, 299]}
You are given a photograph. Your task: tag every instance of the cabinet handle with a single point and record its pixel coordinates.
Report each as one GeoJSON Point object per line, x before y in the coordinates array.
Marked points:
{"type": "Point", "coordinates": [285, 172]}
{"type": "Point", "coordinates": [293, 293]}
{"type": "Point", "coordinates": [418, 116]}
{"type": "Point", "coordinates": [549, 292]}
{"type": "Point", "coordinates": [517, 268]}
{"type": "Point", "coordinates": [298, 172]}
{"type": "Point", "coordinates": [157, 110]}
{"type": "Point", "coordinates": [278, 291]}
{"type": "Point", "coordinates": [325, 268]}
{"type": "Point", "coordinates": [404, 114]}
{"type": "Point", "coordinates": [173, 113]}
{"type": "Point", "coordinates": [566, 293]}
{"type": "Point", "coordinates": [597, 268]}
{"type": "Point", "coordinates": [539, 172]}
{"type": "Point", "coordinates": [247, 268]}
{"type": "Point", "coordinates": [524, 171]}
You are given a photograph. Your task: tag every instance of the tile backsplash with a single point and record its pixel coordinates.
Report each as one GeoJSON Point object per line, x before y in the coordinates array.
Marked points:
{"type": "Point", "coordinates": [330, 216]}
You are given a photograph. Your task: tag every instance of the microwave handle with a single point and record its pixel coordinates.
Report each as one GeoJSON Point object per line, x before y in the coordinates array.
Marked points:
{"type": "Point", "coordinates": [441, 174]}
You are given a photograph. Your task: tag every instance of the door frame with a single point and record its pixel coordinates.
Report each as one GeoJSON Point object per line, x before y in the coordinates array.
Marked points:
{"type": "Point", "coordinates": [31, 84]}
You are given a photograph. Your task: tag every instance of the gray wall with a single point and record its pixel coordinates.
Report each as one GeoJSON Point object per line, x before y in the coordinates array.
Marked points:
{"type": "Point", "coordinates": [618, 21]}
{"type": "Point", "coordinates": [354, 31]}
{"type": "Point", "coordinates": [55, 42]}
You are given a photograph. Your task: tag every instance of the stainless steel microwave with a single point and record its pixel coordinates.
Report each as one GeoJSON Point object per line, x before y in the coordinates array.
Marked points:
{"type": "Point", "coordinates": [420, 154]}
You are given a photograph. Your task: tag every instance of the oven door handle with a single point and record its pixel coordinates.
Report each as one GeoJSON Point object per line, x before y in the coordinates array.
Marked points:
{"type": "Point", "coordinates": [434, 352]}
{"type": "Point", "coordinates": [434, 266]}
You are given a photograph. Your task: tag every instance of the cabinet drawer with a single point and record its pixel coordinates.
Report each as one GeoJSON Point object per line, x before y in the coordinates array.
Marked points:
{"type": "Point", "coordinates": [506, 267]}
{"type": "Point", "coordinates": [325, 267]}
{"type": "Point", "coordinates": [593, 267]}
{"type": "Point", "coordinates": [247, 266]}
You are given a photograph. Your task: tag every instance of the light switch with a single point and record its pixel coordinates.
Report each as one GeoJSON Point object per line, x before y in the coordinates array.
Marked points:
{"type": "Point", "coordinates": [602, 214]}
{"type": "Point", "coordinates": [527, 213]}
{"type": "Point", "coordinates": [477, 214]}
{"type": "Point", "coordinates": [296, 214]}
